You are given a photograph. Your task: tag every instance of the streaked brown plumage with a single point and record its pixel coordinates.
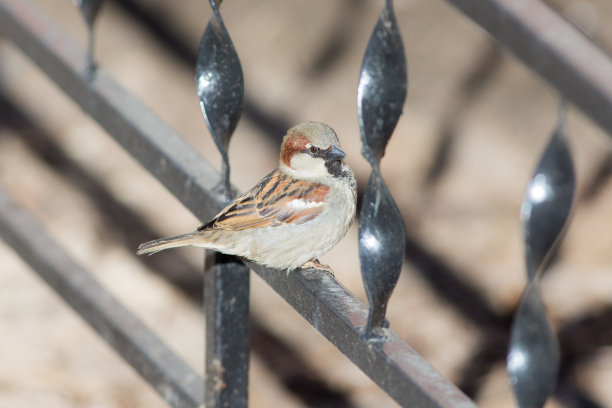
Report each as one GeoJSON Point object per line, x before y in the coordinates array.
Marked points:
{"type": "Point", "coordinates": [293, 215]}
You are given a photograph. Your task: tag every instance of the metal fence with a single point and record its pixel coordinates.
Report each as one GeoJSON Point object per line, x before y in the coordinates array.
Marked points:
{"type": "Point", "coordinates": [534, 33]}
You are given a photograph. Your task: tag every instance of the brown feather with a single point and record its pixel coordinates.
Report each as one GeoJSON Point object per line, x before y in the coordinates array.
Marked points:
{"type": "Point", "coordinates": [260, 208]}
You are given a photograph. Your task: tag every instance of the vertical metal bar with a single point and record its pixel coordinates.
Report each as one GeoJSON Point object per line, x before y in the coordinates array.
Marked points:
{"type": "Point", "coordinates": [220, 87]}
{"type": "Point", "coordinates": [226, 305]}
{"type": "Point", "coordinates": [326, 304]}
{"type": "Point", "coordinates": [141, 133]}
{"type": "Point", "coordinates": [533, 358]}
{"type": "Point", "coordinates": [381, 95]}
{"type": "Point", "coordinates": [90, 9]}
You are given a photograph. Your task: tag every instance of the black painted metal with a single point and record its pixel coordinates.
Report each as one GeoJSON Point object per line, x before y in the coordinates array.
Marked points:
{"type": "Point", "coordinates": [90, 9]}
{"type": "Point", "coordinates": [332, 310]}
{"type": "Point", "coordinates": [533, 357]}
{"type": "Point", "coordinates": [174, 380]}
{"type": "Point", "coordinates": [553, 48]}
{"type": "Point", "coordinates": [383, 84]}
{"type": "Point", "coordinates": [380, 99]}
{"type": "Point", "coordinates": [138, 130]}
{"type": "Point", "coordinates": [220, 87]}
{"type": "Point", "coordinates": [548, 200]}
{"type": "Point", "coordinates": [226, 306]}
{"type": "Point", "coordinates": [557, 51]}
{"type": "Point", "coordinates": [339, 316]}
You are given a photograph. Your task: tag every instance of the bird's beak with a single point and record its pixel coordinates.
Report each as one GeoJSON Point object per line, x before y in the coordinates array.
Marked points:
{"type": "Point", "coordinates": [334, 154]}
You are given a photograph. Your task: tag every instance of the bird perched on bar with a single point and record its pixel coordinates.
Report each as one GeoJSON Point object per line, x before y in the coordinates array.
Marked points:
{"type": "Point", "coordinates": [293, 215]}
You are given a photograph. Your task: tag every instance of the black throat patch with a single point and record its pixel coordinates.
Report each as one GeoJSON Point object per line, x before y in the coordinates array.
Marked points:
{"type": "Point", "coordinates": [335, 168]}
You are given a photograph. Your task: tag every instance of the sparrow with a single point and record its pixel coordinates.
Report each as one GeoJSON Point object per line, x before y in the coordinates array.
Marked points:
{"type": "Point", "coordinates": [293, 215]}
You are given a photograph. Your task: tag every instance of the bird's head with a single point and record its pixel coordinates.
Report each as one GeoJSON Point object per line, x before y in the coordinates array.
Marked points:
{"type": "Point", "coordinates": [311, 150]}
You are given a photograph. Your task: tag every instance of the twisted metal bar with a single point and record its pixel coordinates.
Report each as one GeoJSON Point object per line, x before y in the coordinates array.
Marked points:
{"type": "Point", "coordinates": [327, 305]}
{"type": "Point", "coordinates": [380, 98]}
{"type": "Point", "coordinates": [533, 357]}
{"type": "Point", "coordinates": [220, 87]}
{"type": "Point", "coordinates": [90, 9]}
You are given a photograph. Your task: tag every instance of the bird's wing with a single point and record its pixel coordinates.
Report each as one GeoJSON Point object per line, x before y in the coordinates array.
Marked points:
{"type": "Point", "coordinates": [277, 199]}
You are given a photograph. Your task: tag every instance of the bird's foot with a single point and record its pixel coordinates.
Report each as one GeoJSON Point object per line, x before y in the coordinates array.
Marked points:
{"type": "Point", "coordinates": [315, 264]}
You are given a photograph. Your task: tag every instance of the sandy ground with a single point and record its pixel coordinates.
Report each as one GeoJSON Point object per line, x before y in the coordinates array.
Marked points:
{"type": "Point", "coordinates": [466, 215]}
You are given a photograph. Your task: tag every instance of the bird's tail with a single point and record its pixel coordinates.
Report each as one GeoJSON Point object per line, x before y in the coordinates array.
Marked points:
{"type": "Point", "coordinates": [157, 245]}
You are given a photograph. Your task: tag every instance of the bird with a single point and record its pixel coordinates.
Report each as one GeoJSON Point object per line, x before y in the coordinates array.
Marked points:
{"type": "Point", "coordinates": [295, 214]}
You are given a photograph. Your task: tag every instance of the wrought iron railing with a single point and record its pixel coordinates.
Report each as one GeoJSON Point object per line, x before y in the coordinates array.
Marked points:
{"type": "Point", "coordinates": [554, 49]}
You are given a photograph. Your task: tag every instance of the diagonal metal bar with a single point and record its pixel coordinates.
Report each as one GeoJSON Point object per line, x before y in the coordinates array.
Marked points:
{"type": "Point", "coordinates": [304, 383]}
{"type": "Point", "coordinates": [162, 29]}
{"type": "Point", "coordinates": [130, 226]}
{"type": "Point", "coordinates": [339, 316]}
{"type": "Point", "coordinates": [553, 48]}
{"type": "Point", "coordinates": [144, 135]}
{"type": "Point", "coordinates": [174, 380]}
{"type": "Point", "coordinates": [319, 298]}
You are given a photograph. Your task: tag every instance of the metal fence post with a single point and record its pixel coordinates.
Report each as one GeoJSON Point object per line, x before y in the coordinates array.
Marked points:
{"type": "Point", "coordinates": [533, 358]}
{"type": "Point", "coordinates": [226, 307]}
{"type": "Point", "coordinates": [220, 88]}
{"type": "Point", "coordinates": [319, 298]}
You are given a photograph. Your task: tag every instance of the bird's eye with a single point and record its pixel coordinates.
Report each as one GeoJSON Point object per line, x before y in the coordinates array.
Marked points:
{"type": "Point", "coordinates": [314, 149]}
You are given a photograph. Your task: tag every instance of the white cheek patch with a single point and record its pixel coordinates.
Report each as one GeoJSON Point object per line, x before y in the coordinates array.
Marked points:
{"type": "Point", "coordinates": [300, 204]}
{"type": "Point", "coordinates": [307, 166]}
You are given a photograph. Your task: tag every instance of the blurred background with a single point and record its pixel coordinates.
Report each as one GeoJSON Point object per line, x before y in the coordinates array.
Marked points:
{"type": "Point", "coordinates": [474, 126]}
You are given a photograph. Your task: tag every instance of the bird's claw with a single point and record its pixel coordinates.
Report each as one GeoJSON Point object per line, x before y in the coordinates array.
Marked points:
{"type": "Point", "coordinates": [315, 264]}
